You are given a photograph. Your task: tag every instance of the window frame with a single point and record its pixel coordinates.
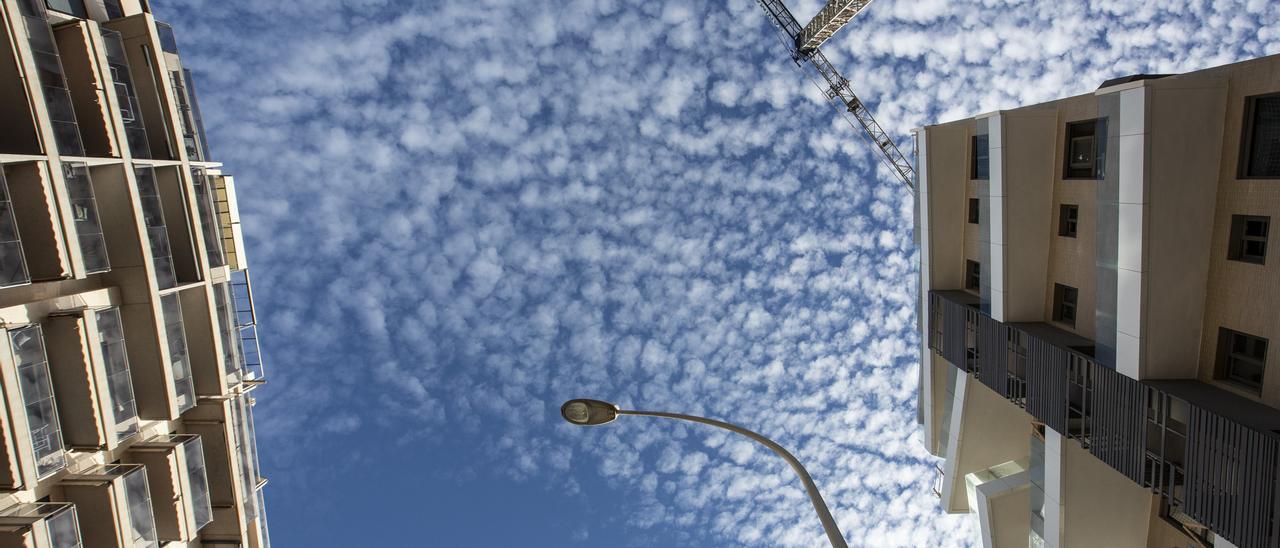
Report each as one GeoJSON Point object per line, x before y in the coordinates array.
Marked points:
{"type": "Point", "coordinates": [972, 275]}
{"type": "Point", "coordinates": [975, 215]}
{"type": "Point", "coordinates": [1098, 162]}
{"type": "Point", "coordinates": [1061, 304]}
{"type": "Point", "coordinates": [973, 156]}
{"type": "Point", "coordinates": [1246, 138]}
{"type": "Point", "coordinates": [1068, 225]}
{"type": "Point", "coordinates": [71, 5]}
{"type": "Point", "coordinates": [1227, 357]}
{"type": "Point", "coordinates": [1238, 237]}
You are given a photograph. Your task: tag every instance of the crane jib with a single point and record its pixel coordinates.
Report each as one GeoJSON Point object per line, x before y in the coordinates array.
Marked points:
{"type": "Point", "coordinates": [839, 88]}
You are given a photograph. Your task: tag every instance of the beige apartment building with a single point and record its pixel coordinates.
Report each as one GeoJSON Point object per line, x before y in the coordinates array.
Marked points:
{"type": "Point", "coordinates": [128, 350]}
{"type": "Point", "coordinates": [1097, 299]}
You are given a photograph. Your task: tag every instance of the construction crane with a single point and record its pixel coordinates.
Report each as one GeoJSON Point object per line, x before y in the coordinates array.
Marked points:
{"type": "Point", "coordinates": [803, 44]}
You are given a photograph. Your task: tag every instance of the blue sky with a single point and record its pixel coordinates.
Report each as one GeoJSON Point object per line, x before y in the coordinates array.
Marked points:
{"type": "Point", "coordinates": [461, 214]}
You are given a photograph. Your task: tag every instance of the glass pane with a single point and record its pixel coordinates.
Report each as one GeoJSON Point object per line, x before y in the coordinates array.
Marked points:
{"type": "Point", "coordinates": [1264, 145]}
{"type": "Point", "coordinates": [179, 362]}
{"type": "Point", "coordinates": [194, 452]}
{"type": "Point", "coordinates": [37, 398]}
{"type": "Point", "coordinates": [139, 502]}
{"type": "Point", "coordinates": [64, 529]}
{"type": "Point", "coordinates": [119, 378]}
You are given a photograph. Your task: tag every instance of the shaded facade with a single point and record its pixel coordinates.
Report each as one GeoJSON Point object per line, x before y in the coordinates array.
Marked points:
{"type": "Point", "coordinates": [128, 344]}
{"type": "Point", "coordinates": [1097, 303]}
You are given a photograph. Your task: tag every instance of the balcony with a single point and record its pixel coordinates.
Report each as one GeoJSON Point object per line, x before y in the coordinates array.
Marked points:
{"type": "Point", "coordinates": [91, 378]}
{"type": "Point", "coordinates": [147, 82]}
{"type": "Point", "coordinates": [40, 525]}
{"type": "Point", "coordinates": [36, 417]}
{"type": "Point", "coordinates": [179, 358]}
{"type": "Point", "coordinates": [126, 94]}
{"type": "Point", "coordinates": [84, 214]}
{"type": "Point", "coordinates": [224, 191]}
{"type": "Point", "coordinates": [234, 482]}
{"type": "Point", "coordinates": [78, 49]}
{"type": "Point", "coordinates": [57, 98]}
{"type": "Point", "coordinates": [13, 263]}
{"type": "Point", "coordinates": [166, 223]}
{"type": "Point", "coordinates": [179, 484]}
{"type": "Point", "coordinates": [114, 502]}
{"type": "Point", "coordinates": [1212, 454]}
{"type": "Point", "coordinates": [209, 219]}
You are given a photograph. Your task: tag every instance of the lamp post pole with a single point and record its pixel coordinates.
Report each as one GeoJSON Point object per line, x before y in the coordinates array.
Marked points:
{"type": "Point", "coordinates": [585, 412]}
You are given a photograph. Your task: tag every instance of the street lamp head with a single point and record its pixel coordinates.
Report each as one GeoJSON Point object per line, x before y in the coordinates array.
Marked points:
{"type": "Point", "coordinates": [585, 412]}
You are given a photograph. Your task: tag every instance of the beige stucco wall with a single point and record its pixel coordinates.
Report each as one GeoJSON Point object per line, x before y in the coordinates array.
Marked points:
{"type": "Point", "coordinates": [1027, 183]}
{"type": "Point", "coordinates": [1101, 507]}
{"type": "Point", "coordinates": [1011, 519]}
{"type": "Point", "coordinates": [1244, 296]}
{"type": "Point", "coordinates": [948, 190]}
{"type": "Point", "coordinates": [1072, 261]}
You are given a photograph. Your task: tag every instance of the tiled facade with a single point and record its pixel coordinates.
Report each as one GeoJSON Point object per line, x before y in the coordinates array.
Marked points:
{"type": "Point", "coordinates": [1117, 372]}
{"type": "Point", "coordinates": [128, 346]}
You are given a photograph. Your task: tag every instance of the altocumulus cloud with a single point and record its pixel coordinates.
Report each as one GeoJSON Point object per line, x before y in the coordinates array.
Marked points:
{"type": "Point", "coordinates": [494, 206]}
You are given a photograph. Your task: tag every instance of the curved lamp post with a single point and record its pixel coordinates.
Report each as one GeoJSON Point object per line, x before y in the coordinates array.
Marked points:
{"type": "Point", "coordinates": [584, 412]}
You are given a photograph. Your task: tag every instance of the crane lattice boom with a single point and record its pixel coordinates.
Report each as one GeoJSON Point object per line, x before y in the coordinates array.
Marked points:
{"type": "Point", "coordinates": [830, 19]}
{"type": "Point", "coordinates": [838, 88]}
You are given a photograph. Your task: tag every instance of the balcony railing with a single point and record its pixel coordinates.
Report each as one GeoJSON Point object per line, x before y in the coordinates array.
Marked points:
{"type": "Point", "coordinates": [179, 357]}
{"type": "Point", "coordinates": [209, 222]}
{"type": "Point", "coordinates": [84, 209]}
{"type": "Point", "coordinates": [122, 80]}
{"type": "Point", "coordinates": [1211, 454]}
{"type": "Point", "coordinates": [119, 378]}
{"type": "Point", "coordinates": [247, 325]}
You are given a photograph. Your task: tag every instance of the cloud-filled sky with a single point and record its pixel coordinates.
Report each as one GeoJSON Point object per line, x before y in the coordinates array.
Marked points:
{"type": "Point", "coordinates": [460, 214]}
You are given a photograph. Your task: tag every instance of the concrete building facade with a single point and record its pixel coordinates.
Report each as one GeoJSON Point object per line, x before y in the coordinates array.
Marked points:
{"type": "Point", "coordinates": [1097, 302]}
{"type": "Point", "coordinates": [128, 347]}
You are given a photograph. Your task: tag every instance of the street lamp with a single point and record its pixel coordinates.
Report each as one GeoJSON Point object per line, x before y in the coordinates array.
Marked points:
{"type": "Point", "coordinates": [585, 412]}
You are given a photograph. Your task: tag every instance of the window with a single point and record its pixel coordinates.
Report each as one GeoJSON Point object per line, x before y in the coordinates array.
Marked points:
{"type": "Point", "coordinates": [973, 211]}
{"type": "Point", "coordinates": [1242, 358]}
{"type": "Point", "coordinates": [1086, 149]}
{"type": "Point", "coordinates": [73, 7]}
{"type": "Point", "coordinates": [1261, 154]}
{"type": "Point", "coordinates": [1064, 304]}
{"type": "Point", "coordinates": [1068, 220]}
{"type": "Point", "coordinates": [973, 275]}
{"type": "Point", "coordinates": [1249, 238]}
{"type": "Point", "coordinates": [981, 158]}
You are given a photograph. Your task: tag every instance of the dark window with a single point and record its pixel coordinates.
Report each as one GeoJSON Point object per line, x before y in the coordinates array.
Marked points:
{"type": "Point", "coordinates": [1064, 304]}
{"type": "Point", "coordinates": [973, 275]}
{"type": "Point", "coordinates": [1249, 238]}
{"type": "Point", "coordinates": [113, 9]}
{"type": "Point", "coordinates": [1086, 149]}
{"type": "Point", "coordinates": [1068, 220]}
{"type": "Point", "coordinates": [1262, 137]}
{"type": "Point", "coordinates": [1242, 358]}
{"type": "Point", "coordinates": [981, 158]}
{"type": "Point", "coordinates": [973, 211]}
{"type": "Point", "coordinates": [73, 7]}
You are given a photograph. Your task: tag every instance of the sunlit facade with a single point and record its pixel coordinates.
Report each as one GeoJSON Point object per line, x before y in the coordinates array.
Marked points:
{"type": "Point", "coordinates": [1097, 299]}
{"type": "Point", "coordinates": [129, 352]}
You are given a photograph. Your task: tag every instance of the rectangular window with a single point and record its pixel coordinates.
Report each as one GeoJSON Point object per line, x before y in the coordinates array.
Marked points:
{"type": "Point", "coordinates": [981, 158]}
{"type": "Point", "coordinates": [973, 211]}
{"type": "Point", "coordinates": [1249, 238]}
{"type": "Point", "coordinates": [73, 7]}
{"type": "Point", "coordinates": [1068, 220]}
{"type": "Point", "coordinates": [1242, 358]}
{"type": "Point", "coordinates": [1086, 149]}
{"type": "Point", "coordinates": [973, 275]}
{"type": "Point", "coordinates": [1064, 304]}
{"type": "Point", "coordinates": [1261, 154]}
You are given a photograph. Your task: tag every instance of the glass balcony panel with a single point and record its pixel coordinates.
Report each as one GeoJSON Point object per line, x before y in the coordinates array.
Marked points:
{"type": "Point", "coordinates": [49, 70]}
{"type": "Point", "coordinates": [13, 266]}
{"type": "Point", "coordinates": [84, 206]}
{"type": "Point", "coordinates": [114, 11]}
{"type": "Point", "coordinates": [37, 399]}
{"type": "Point", "coordinates": [119, 377]}
{"type": "Point", "coordinates": [126, 97]}
{"type": "Point", "coordinates": [183, 387]}
{"type": "Point", "coordinates": [167, 42]}
{"type": "Point", "coordinates": [64, 529]}
{"type": "Point", "coordinates": [232, 351]}
{"type": "Point", "coordinates": [209, 222]}
{"type": "Point", "coordinates": [199, 482]}
{"type": "Point", "coordinates": [142, 522]}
